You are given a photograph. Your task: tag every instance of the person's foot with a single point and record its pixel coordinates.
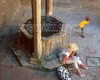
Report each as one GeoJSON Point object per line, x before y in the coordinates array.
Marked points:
{"type": "Point", "coordinates": [83, 66]}
{"type": "Point", "coordinates": [82, 36]}
{"type": "Point", "coordinates": [80, 74]}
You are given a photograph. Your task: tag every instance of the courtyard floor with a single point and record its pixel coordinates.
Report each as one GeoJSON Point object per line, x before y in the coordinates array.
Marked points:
{"type": "Point", "coordinates": [89, 46]}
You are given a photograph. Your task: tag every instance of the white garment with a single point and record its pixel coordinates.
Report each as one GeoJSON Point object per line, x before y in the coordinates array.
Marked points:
{"type": "Point", "coordinates": [75, 61]}
{"type": "Point", "coordinates": [64, 53]}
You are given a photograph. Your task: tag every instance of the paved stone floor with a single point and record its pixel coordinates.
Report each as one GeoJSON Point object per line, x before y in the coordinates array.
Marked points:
{"type": "Point", "coordinates": [90, 45]}
{"type": "Point", "coordinates": [71, 14]}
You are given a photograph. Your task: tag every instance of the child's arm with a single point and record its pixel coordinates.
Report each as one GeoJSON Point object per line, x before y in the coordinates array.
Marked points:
{"type": "Point", "coordinates": [77, 26]}
{"type": "Point", "coordinates": [65, 58]}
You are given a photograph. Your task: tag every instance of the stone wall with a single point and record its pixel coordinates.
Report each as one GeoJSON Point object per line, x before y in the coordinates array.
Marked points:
{"type": "Point", "coordinates": [54, 44]}
{"type": "Point", "coordinates": [8, 8]}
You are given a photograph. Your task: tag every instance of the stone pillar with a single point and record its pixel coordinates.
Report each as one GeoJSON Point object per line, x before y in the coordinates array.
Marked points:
{"type": "Point", "coordinates": [36, 21]}
{"type": "Point", "coordinates": [48, 7]}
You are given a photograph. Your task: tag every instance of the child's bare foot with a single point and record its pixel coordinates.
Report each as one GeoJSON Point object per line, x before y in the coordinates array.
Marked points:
{"type": "Point", "coordinates": [80, 74]}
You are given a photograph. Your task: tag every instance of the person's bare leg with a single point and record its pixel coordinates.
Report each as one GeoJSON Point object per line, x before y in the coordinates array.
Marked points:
{"type": "Point", "coordinates": [84, 66]}
{"type": "Point", "coordinates": [79, 72]}
{"type": "Point", "coordinates": [77, 69]}
{"type": "Point", "coordinates": [82, 33]}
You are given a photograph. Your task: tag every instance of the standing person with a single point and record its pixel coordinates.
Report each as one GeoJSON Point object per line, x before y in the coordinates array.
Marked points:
{"type": "Point", "coordinates": [82, 24]}
{"type": "Point", "coordinates": [67, 56]}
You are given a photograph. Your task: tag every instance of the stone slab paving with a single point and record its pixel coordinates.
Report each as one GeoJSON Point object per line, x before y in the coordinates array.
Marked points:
{"type": "Point", "coordinates": [89, 46]}
{"type": "Point", "coordinates": [52, 64]}
{"type": "Point", "coordinates": [22, 57]}
{"type": "Point", "coordinates": [24, 61]}
{"type": "Point", "coordinates": [20, 73]}
{"type": "Point", "coordinates": [6, 56]}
